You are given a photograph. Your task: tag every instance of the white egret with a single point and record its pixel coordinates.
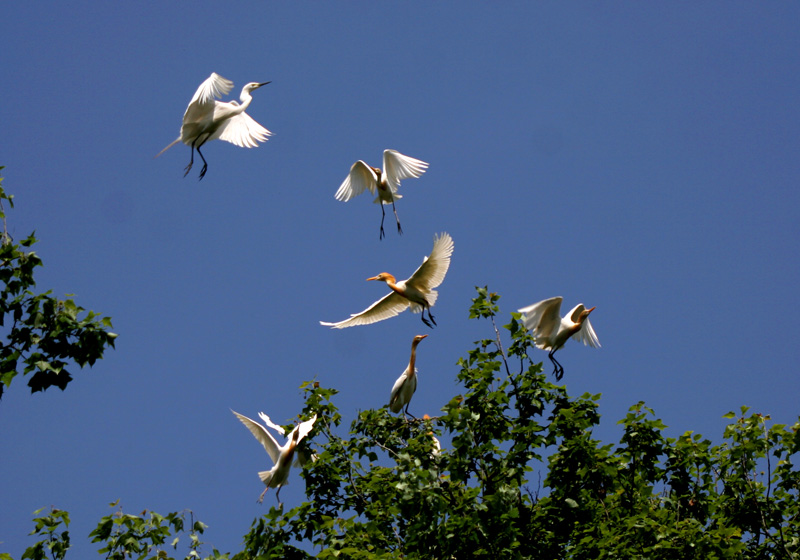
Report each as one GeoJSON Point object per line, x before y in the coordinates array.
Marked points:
{"type": "Point", "coordinates": [437, 447]}
{"type": "Point", "coordinates": [208, 119]}
{"type": "Point", "coordinates": [551, 331]}
{"type": "Point", "coordinates": [406, 384]}
{"type": "Point", "coordinates": [383, 182]}
{"type": "Point", "coordinates": [416, 292]}
{"type": "Point", "coordinates": [278, 475]}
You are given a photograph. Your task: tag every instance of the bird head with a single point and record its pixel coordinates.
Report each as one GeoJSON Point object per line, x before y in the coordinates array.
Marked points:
{"type": "Point", "coordinates": [383, 277]}
{"type": "Point", "coordinates": [252, 86]}
{"type": "Point", "coordinates": [419, 337]}
{"type": "Point", "coordinates": [584, 314]}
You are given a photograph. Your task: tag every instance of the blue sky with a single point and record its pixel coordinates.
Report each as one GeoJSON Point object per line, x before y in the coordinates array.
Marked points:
{"type": "Point", "coordinates": [638, 157]}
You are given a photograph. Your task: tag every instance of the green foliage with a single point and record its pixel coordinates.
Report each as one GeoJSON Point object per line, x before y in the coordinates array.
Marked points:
{"type": "Point", "coordinates": [521, 477]}
{"type": "Point", "coordinates": [44, 334]}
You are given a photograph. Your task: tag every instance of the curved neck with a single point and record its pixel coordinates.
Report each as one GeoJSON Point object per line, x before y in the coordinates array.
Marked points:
{"type": "Point", "coordinates": [245, 98]}
{"type": "Point", "coordinates": [396, 288]}
{"type": "Point", "coordinates": [412, 361]}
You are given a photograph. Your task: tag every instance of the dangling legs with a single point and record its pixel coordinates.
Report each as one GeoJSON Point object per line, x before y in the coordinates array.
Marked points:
{"type": "Point", "coordinates": [399, 229]}
{"type": "Point", "coordinates": [559, 370]}
{"type": "Point", "coordinates": [424, 320]}
{"type": "Point", "coordinates": [191, 161]}
{"type": "Point", "coordinates": [205, 165]}
{"type": "Point", "coordinates": [383, 215]}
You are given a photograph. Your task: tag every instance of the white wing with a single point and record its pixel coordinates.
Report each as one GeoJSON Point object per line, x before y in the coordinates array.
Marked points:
{"type": "Point", "coordinates": [262, 435]}
{"type": "Point", "coordinates": [586, 334]}
{"type": "Point", "coordinates": [241, 130]}
{"type": "Point", "coordinates": [361, 177]}
{"type": "Point", "coordinates": [543, 319]}
{"type": "Point", "coordinates": [202, 104]}
{"type": "Point", "coordinates": [303, 428]}
{"type": "Point", "coordinates": [394, 404]}
{"type": "Point", "coordinates": [271, 424]}
{"type": "Point", "coordinates": [388, 306]}
{"type": "Point", "coordinates": [398, 167]}
{"type": "Point", "coordinates": [433, 269]}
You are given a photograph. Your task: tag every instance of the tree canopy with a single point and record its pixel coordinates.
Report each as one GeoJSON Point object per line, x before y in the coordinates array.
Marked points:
{"type": "Point", "coordinates": [519, 475]}
{"type": "Point", "coordinates": [42, 334]}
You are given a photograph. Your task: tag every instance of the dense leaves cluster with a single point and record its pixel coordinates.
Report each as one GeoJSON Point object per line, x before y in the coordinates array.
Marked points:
{"type": "Point", "coordinates": [42, 335]}
{"type": "Point", "coordinates": [519, 475]}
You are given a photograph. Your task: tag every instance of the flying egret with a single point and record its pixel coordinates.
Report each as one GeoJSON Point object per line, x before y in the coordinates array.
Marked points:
{"type": "Point", "coordinates": [278, 475]}
{"type": "Point", "coordinates": [406, 384]}
{"type": "Point", "coordinates": [208, 119]}
{"type": "Point", "coordinates": [396, 167]}
{"type": "Point", "coordinates": [416, 292]}
{"type": "Point", "coordinates": [552, 331]}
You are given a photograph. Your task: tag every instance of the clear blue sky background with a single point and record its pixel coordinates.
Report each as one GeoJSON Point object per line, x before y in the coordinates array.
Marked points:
{"type": "Point", "coordinates": [637, 157]}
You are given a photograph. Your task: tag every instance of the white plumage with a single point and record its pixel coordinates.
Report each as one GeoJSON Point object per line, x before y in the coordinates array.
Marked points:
{"type": "Point", "coordinates": [416, 292]}
{"type": "Point", "coordinates": [406, 384]}
{"type": "Point", "coordinates": [206, 119]}
{"type": "Point", "coordinates": [381, 182]}
{"type": "Point", "coordinates": [551, 331]}
{"type": "Point", "coordinates": [278, 475]}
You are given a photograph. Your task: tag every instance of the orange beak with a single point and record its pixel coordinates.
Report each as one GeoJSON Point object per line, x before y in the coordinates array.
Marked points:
{"type": "Point", "coordinates": [590, 310]}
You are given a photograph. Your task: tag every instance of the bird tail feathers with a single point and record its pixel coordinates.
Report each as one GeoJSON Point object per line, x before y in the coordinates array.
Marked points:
{"type": "Point", "coordinates": [178, 139]}
{"type": "Point", "coordinates": [265, 476]}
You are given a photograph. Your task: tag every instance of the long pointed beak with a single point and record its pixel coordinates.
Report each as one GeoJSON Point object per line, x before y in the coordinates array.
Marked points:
{"type": "Point", "coordinates": [265, 83]}
{"type": "Point", "coordinates": [373, 278]}
{"type": "Point", "coordinates": [590, 310]}
{"type": "Point", "coordinates": [423, 336]}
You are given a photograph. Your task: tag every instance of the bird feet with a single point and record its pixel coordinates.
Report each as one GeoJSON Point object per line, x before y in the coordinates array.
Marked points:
{"type": "Point", "coordinates": [202, 171]}
{"type": "Point", "coordinates": [187, 168]}
{"type": "Point", "coordinates": [382, 233]}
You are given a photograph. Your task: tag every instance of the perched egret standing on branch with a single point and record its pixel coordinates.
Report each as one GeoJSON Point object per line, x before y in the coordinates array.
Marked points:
{"type": "Point", "coordinates": [383, 182]}
{"type": "Point", "coordinates": [208, 119]}
{"type": "Point", "coordinates": [551, 331]}
{"type": "Point", "coordinates": [406, 384]}
{"type": "Point", "coordinates": [278, 475]}
{"type": "Point", "coordinates": [416, 292]}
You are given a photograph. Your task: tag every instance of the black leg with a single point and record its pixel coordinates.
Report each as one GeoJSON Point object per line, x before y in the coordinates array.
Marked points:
{"type": "Point", "coordinates": [424, 320]}
{"type": "Point", "coordinates": [399, 229]}
{"type": "Point", "coordinates": [205, 165]}
{"type": "Point", "coordinates": [191, 161]}
{"type": "Point", "coordinates": [383, 215]}
{"type": "Point", "coordinates": [559, 370]}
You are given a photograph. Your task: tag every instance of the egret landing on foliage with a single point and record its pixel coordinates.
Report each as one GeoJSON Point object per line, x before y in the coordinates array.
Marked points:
{"type": "Point", "coordinates": [208, 119]}
{"type": "Point", "coordinates": [383, 182]}
{"type": "Point", "coordinates": [278, 475]}
{"type": "Point", "coordinates": [552, 331]}
{"type": "Point", "coordinates": [406, 384]}
{"type": "Point", "coordinates": [416, 292]}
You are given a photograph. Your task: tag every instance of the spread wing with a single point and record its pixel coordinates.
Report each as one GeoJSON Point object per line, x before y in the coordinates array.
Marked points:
{"type": "Point", "coordinates": [271, 424]}
{"type": "Point", "coordinates": [388, 306]}
{"type": "Point", "coordinates": [433, 269]}
{"type": "Point", "coordinates": [361, 177]}
{"type": "Point", "coordinates": [302, 457]}
{"type": "Point", "coordinates": [201, 106]}
{"type": "Point", "coordinates": [586, 333]}
{"type": "Point", "coordinates": [303, 428]}
{"type": "Point", "coordinates": [262, 435]}
{"type": "Point", "coordinates": [398, 167]}
{"type": "Point", "coordinates": [241, 130]}
{"type": "Point", "coordinates": [543, 318]}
